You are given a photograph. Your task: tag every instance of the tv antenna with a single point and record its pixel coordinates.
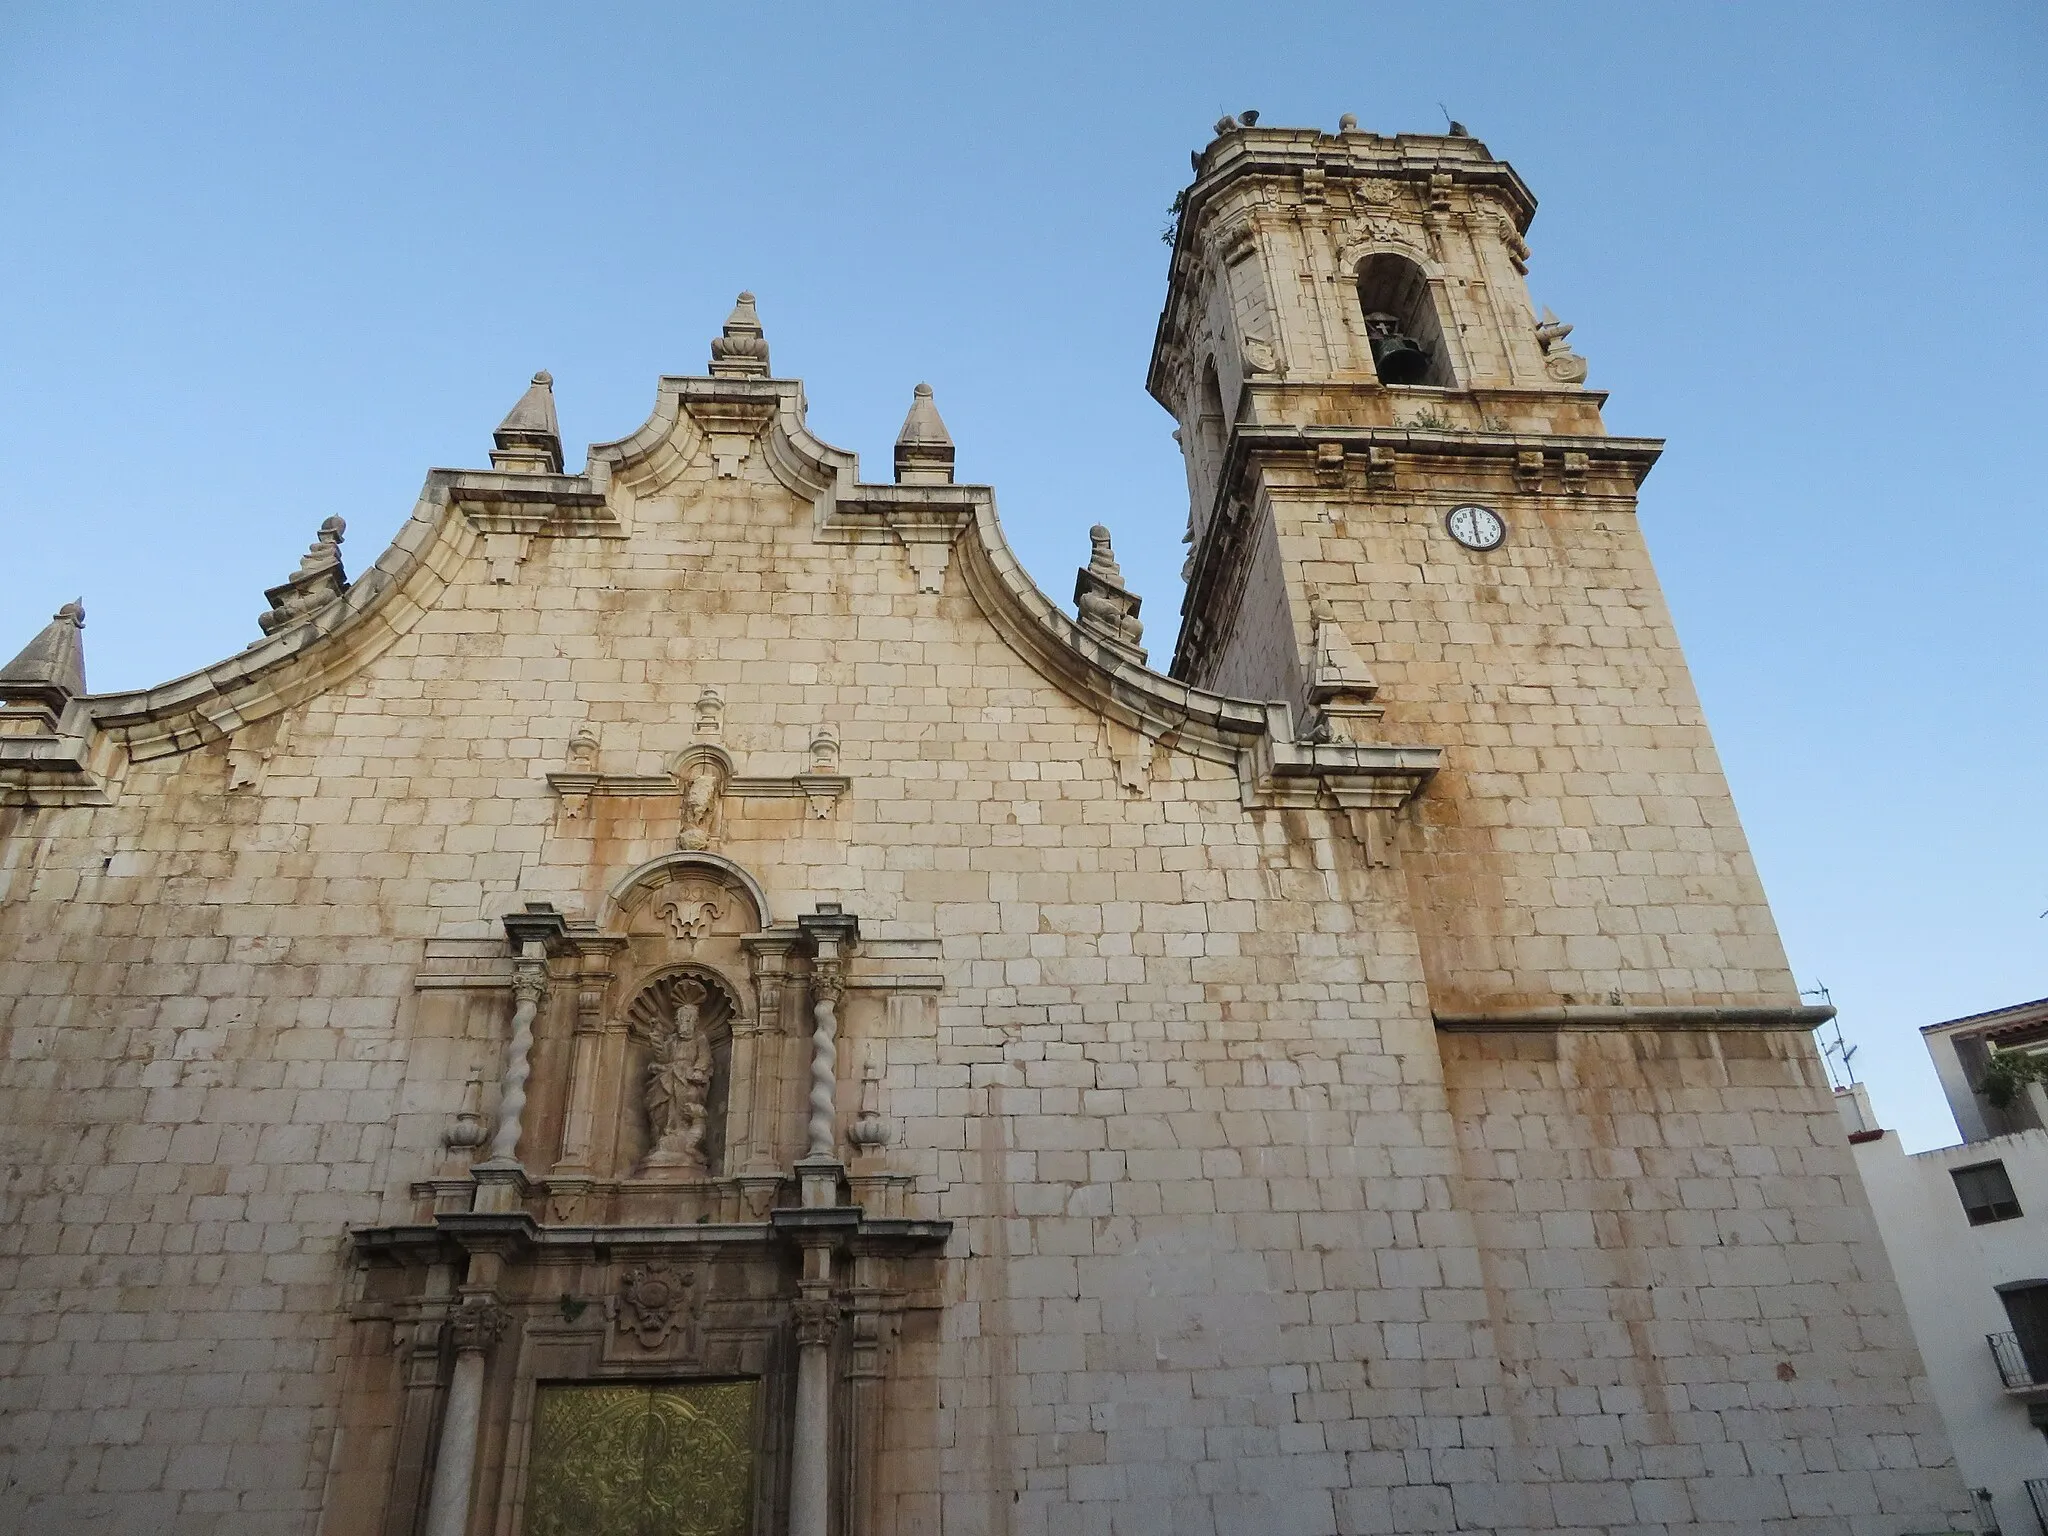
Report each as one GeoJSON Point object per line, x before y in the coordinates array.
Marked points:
{"type": "Point", "coordinates": [1838, 1053]}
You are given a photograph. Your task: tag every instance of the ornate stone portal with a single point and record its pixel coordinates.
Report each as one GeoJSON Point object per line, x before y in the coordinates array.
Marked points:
{"type": "Point", "coordinates": [664, 1193]}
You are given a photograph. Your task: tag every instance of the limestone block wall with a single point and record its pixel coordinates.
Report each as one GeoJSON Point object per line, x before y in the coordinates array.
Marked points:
{"type": "Point", "coordinates": [1226, 1256]}
{"type": "Point", "coordinates": [1580, 846]}
{"type": "Point", "coordinates": [1679, 1261]}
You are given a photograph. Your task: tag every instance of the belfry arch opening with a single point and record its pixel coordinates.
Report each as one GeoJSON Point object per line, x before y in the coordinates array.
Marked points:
{"type": "Point", "coordinates": [1401, 324]}
{"type": "Point", "coordinates": [1211, 427]}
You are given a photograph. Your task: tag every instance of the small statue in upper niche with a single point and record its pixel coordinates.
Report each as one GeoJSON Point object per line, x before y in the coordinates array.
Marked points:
{"type": "Point", "coordinates": [703, 787]}
{"type": "Point", "coordinates": [678, 1086]}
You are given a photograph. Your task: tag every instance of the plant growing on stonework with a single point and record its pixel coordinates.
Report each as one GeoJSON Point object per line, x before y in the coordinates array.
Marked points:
{"type": "Point", "coordinates": [1174, 210]}
{"type": "Point", "coordinates": [2007, 1074]}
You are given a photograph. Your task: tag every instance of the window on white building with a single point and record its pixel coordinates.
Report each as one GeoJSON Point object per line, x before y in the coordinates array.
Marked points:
{"type": "Point", "coordinates": [1986, 1193]}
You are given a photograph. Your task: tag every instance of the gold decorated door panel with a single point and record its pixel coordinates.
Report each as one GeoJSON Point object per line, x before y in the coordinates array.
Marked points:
{"type": "Point", "coordinates": [664, 1459]}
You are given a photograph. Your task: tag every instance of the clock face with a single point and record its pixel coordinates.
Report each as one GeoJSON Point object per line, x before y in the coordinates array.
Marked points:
{"type": "Point", "coordinates": [1476, 527]}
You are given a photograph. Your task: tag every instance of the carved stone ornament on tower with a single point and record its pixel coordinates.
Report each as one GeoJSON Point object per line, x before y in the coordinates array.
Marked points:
{"type": "Point", "coordinates": [529, 439]}
{"type": "Point", "coordinates": [318, 581]}
{"type": "Point", "coordinates": [870, 1133]}
{"type": "Point", "coordinates": [583, 751]}
{"type": "Point", "coordinates": [924, 448]}
{"type": "Point", "coordinates": [1510, 236]}
{"type": "Point", "coordinates": [1108, 611]}
{"type": "Point", "coordinates": [1341, 688]}
{"type": "Point", "coordinates": [710, 714]}
{"type": "Point", "coordinates": [1559, 360]}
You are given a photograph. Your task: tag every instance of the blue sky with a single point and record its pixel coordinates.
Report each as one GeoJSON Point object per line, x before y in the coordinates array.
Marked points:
{"type": "Point", "coordinates": [260, 265]}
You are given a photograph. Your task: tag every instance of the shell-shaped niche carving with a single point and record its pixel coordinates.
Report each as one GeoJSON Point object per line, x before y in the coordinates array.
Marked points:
{"type": "Point", "coordinates": [681, 1027]}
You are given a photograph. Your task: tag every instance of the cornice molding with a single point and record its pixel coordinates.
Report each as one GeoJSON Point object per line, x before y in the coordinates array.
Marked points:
{"type": "Point", "coordinates": [1597, 1017]}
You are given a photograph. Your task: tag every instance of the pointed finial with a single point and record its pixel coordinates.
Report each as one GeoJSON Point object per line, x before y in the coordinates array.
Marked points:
{"type": "Point", "coordinates": [1102, 558]}
{"type": "Point", "coordinates": [924, 448]}
{"type": "Point", "coordinates": [529, 440]}
{"type": "Point", "coordinates": [318, 581]}
{"type": "Point", "coordinates": [50, 671]}
{"type": "Point", "coordinates": [1107, 610]}
{"type": "Point", "coordinates": [741, 351]}
{"type": "Point", "coordinates": [1341, 686]}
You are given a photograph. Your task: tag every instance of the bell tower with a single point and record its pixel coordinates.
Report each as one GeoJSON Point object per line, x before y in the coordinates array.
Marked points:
{"type": "Point", "coordinates": [1392, 458]}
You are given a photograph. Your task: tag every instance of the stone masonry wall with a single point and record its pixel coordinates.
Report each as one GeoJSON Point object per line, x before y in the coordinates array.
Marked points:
{"type": "Point", "coordinates": [1226, 1257]}
{"type": "Point", "coordinates": [1580, 845]}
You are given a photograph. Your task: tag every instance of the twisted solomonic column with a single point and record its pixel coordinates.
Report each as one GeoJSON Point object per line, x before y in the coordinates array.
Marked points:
{"type": "Point", "coordinates": [529, 987]}
{"type": "Point", "coordinates": [827, 981]}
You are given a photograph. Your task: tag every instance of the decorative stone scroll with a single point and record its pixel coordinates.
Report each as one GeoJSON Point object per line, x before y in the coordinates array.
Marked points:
{"type": "Point", "coordinates": [690, 910]}
{"type": "Point", "coordinates": [1559, 360]}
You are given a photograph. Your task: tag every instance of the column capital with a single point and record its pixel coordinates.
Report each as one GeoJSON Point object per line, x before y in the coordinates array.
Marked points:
{"type": "Point", "coordinates": [833, 934]}
{"type": "Point", "coordinates": [816, 1319]}
{"type": "Point", "coordinates": [478, 1324]}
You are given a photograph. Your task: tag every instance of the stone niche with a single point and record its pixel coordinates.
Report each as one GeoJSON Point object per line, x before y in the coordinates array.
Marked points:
{"type": "Point", "coordinates": [683, 1067]}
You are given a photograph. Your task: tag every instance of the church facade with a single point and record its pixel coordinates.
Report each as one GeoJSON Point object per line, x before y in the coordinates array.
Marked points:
{"type": "Point", "coordinates": [692, 997]}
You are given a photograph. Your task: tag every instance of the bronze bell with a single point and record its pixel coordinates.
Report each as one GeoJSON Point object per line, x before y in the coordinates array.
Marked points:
{"type": "Point", "coordinates": [1399, 358]}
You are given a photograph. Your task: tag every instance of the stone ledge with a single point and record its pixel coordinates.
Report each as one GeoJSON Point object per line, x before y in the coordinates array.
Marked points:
{"type": "Point", "coordinates": [1592, 1016]}
{"type": "Point", "coordinates": [49, 771]}
{"type": "Point", "coordinates": [518, 1232]}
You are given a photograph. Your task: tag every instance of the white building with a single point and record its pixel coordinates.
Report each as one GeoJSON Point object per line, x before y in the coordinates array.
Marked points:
{"type": "Point", "coordinates": [1967, 1230]}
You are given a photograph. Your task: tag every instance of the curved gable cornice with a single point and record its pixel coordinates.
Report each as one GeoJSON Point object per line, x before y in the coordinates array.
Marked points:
{"type": "Point", "coordinates": [458, 508]}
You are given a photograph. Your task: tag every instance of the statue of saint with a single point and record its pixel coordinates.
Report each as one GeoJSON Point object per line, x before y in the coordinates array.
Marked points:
{"type": "Point", "coordinates": [678, 1084]}
{"type": "Point", "coordinates": [703, 784]}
